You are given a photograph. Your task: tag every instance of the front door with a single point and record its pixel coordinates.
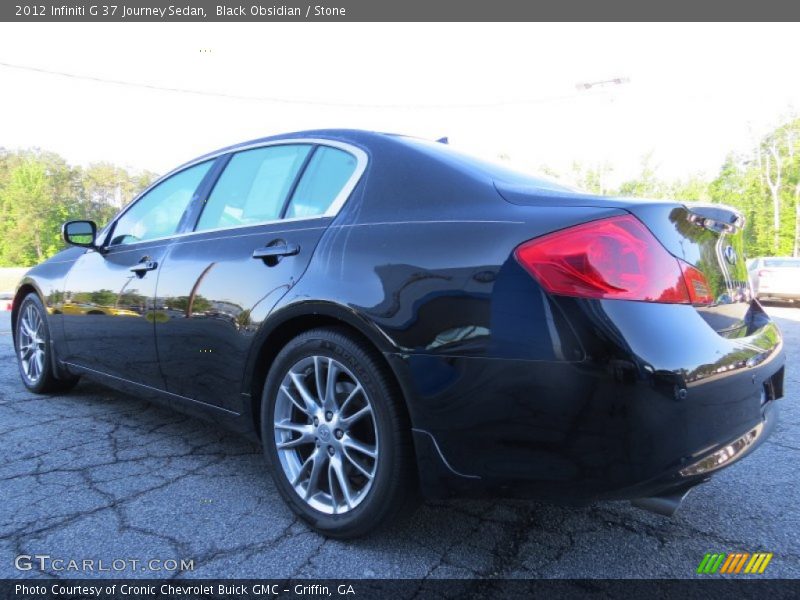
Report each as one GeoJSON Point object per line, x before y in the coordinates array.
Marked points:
{"type": "Point", "coordinates": [109, 294]}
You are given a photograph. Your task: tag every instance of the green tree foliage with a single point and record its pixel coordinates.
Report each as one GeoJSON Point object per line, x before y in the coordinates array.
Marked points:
{"type": "Point", "coordinates": [764, 184]}
{"type": "Point", "coordinates": [592, 179]}
{"type": "Point", "coordinates": [39, 191]}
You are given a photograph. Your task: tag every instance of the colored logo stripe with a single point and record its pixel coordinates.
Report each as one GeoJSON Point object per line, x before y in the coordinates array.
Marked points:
{"type": "Point", "coordinates": [710, 563]}
{"type": "Point", "coordinates": [732, 563]}
{"type": "Point", "coordinates": [758, 563]}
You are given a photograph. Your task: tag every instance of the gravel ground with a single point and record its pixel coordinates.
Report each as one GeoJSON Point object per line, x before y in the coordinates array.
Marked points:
{"type": "Point", "coordinates": [100, 475]}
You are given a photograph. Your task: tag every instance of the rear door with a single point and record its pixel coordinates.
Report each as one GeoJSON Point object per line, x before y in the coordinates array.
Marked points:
{"type": "Point", "coordinates": [253, 239]}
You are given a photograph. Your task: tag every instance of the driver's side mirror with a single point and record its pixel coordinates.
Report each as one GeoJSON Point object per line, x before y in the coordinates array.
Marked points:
{"type": "Point", "coordinates": [79, 233]}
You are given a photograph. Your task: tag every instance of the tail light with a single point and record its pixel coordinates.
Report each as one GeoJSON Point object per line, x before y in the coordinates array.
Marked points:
{"type": "Point", "coordinates": [764, 272]}
{"type": "Point", "coordinates": [614, 258]}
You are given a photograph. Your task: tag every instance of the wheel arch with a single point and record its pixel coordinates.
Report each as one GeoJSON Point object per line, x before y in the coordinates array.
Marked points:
{"type": "Point", "coordinates": [290, 322]}
{"type": "Point", "coordinates": [26, 286]}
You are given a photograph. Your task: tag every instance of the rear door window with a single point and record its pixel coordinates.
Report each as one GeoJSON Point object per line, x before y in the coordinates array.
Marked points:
{"type": "Point", "coordinates": [253, 187]}
{"type": "Point", "coordinates": [327, 173]}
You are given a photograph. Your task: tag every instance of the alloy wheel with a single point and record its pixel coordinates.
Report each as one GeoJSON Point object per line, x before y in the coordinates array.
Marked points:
{"type": "Point", "coordinates": [326, 435]}
{"type": "Point", "coordinates": [32, 343]}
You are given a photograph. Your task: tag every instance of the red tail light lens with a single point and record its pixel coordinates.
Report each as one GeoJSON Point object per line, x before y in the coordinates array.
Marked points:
{"type": "Point", "coordinates": [614, 258]}
{"type": "Point", "coordinates": [696, 283]}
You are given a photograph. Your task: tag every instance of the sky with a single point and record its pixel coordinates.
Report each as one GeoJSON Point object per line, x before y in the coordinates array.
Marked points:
{"type": "Point", "coordinates": [694, 92]}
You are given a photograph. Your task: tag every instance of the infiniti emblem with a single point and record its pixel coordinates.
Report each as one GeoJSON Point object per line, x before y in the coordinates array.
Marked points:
{"type": "Point", "coordinates": [324, 433]}
{"type": "Point", "coordinates": [730, 255]}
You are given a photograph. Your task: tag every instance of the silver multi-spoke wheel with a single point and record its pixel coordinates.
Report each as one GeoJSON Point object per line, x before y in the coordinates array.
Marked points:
{"type": "Point", "coordinates": [326, 435]}
{"type": "Point", "coordinates": [32, 343]}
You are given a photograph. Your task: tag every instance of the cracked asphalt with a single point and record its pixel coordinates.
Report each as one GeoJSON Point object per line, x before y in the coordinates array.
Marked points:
{"type": "Point", "coordinates": [99, 475]}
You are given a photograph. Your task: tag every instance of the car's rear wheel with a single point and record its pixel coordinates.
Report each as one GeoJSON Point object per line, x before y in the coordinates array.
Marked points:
{"type": "Point", "coordinates": [34, 349]}
{"type": "Point", "coordinates": [336, 434]}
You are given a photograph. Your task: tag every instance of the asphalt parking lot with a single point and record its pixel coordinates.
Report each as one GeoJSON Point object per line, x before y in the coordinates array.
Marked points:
{"type": "Point", "coordinates": [99, 475]}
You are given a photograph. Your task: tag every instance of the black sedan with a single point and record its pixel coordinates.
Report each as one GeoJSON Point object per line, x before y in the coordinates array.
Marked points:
{"type": "Point", "coordinates": [388, 317]}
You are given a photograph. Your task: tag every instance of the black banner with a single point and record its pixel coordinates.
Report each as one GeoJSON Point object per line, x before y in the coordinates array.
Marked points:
{"type": "Point", "coordinates": [399, 10]}
{"type": "Point", "coordinates": [248, 589]}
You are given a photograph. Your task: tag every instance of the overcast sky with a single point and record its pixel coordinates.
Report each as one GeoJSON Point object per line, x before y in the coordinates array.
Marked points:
{"type": "Point", "coordinates": [696, 91]}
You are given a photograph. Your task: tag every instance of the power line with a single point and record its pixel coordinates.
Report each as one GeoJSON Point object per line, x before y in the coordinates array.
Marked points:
{"type": "Point", "coordinates": [278, 100]}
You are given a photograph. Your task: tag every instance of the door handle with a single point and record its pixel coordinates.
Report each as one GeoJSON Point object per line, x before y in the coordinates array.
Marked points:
{"type": "Point", "coordinates": [142, 267]}
{"type": "Point", "coordinates": [276, 251]}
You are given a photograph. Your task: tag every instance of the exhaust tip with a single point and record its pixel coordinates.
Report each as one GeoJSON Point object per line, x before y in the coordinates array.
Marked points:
{"type": "Point", "coordinates": [665, 505]}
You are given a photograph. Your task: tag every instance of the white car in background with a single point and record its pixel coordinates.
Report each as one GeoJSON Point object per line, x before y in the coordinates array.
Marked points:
{"type": "Point", "coordinates": [775, 277]}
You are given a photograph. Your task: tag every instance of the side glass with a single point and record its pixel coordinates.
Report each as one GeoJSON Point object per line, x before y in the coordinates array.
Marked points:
{"type": "Point", "coordinates": [158, 213]}
{"type": "Point", "coordinates": [253, 186]}
{"type": "Point", "coordinates": [327, 173]}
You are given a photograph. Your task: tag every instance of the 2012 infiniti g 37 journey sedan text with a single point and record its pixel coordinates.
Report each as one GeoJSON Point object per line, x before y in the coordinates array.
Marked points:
{"type": "Point", "coordinates": [387, 315]}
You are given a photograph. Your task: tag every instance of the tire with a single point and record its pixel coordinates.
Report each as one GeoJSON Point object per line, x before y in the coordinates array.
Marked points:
{"type": "Point", "coordinates": [34, 350]}
{"type": "Point", "coordinates": [364, 415]}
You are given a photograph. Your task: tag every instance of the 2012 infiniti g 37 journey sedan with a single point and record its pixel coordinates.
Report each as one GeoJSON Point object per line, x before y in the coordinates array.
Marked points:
{"type": "Point", "coordinates": [387, 315]}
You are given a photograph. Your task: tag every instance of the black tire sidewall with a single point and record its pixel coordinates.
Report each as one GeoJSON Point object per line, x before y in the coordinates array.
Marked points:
{"type": "Point", "coordinates": [46, 378]}
{"type": "Point", "coordinates": [374, 508]}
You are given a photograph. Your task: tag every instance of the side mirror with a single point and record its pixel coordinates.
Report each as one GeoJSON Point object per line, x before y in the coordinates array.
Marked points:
{"type": "Point", "coordinates": [79, 233]}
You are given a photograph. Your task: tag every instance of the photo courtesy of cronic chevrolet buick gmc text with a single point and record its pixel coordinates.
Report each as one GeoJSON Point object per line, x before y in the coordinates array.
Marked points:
{"type": "Point", "coordinates": [389, 317]}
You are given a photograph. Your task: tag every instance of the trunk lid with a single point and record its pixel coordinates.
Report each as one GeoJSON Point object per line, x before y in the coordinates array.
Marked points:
{"type": "Point", "coordinates": [707, 236]}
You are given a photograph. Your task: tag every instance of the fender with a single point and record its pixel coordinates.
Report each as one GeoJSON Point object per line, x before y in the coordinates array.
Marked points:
{"type": "Point", "coordinates": [25, 282]}
{"type": "Point", "coordinates": [56, 332]}
{"type": "Point", "coordinates": [299, 307]}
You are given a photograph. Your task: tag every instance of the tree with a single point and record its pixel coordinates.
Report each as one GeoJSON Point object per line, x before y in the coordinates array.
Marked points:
{"type": "Point", "coordinates": [764, 186]}
{"type": "Point", "coordinates": [107, 188]}
{"type": "Point", "coordinates": [593, 179]}
{"type": "Point", "coordinates": [39, 191]}
{"type": "Point", "coordinates": [763, 183]}
{"type": "Point", "coordinates": [30, 210]}
{"type": "Point", "coordinates": [647, 184]}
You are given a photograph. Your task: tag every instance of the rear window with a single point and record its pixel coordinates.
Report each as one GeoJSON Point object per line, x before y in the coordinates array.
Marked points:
{"type": "Point", "coordinates": [782, 262]}
{"type": "Point", "coordinates": [447, 154]}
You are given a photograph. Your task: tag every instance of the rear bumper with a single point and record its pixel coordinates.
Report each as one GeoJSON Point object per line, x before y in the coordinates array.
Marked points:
{"type": "Point", "coordinates": [698, 468]}
{"type": "Point", "coordinates": [658, 391]}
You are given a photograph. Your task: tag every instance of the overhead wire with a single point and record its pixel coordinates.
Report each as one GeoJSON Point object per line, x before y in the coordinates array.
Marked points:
{"type": "Point", "coordinates": [299, 101]}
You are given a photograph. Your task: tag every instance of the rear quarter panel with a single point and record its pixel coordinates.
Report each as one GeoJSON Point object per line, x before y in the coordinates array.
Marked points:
{"type": "Point", "coordinates": [442, 287]}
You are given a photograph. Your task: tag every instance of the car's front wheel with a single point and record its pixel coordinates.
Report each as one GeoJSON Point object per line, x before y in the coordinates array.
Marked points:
{"type": "Point", "coordinates": [336, 434]}
{"type": "Point", "coordinates": [34, 349]}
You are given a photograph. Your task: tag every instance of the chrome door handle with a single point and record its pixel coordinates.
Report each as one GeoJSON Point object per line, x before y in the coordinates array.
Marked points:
{"type": "Point", "coordinates": [146, 265]}
{"type": "Point", "coordinates": [276, 251]}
